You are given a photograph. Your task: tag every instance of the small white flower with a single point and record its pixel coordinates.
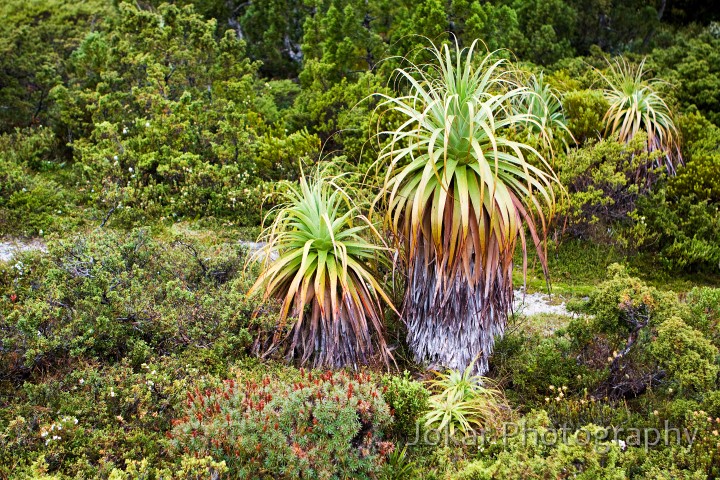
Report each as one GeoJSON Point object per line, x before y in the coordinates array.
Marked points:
{"type": "Point", "coordinates": [124, 130]}
{"type": "Point", "coordinates": [75, 421]}
{"type": "Point", "coordinates": [147, 124]}
{"type": "Point", "coordinates": [130, 169]}
{"type": "Point", "coordinates": [81, 381]}
{"type": "Point", "coordinates": [24, 189]}
{"type": "Point", "coordinates": [41, 232]}
{"type": "Point", "coordinates": [622, 444]}
{"type": "Point", "coordinates": [112, 393]}
{"type": "Point", "coordinates": [115, 158]}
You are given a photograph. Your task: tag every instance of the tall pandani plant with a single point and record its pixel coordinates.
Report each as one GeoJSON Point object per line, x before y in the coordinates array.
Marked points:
{"type": "Point", "coordinates": [318, 262]}
{"type": "Point", "coordinates": [636, 106]}
{"type": "Point", "coordinates": [458, 194]}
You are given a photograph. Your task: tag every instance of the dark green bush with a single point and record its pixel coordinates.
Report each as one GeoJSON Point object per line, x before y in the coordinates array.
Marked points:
{"type": "Point", "coordinates": [522, 456]}
{"type": "Point", "coordinates": [38, 37]}
{"type": "Point", "coordinates": [685, 231]}
{"type": "Point", "coordinates": [321, 426]}
{"type": "Point", "coordinates": [628, 339]}
{"type": "Point", "coordinates": [33, 193]}
{"type": "Point", "coordinates": [530, 365]}
{"type": "Point", "coordinates": [584, 110]}
{"type": "Point", "coordinates": [700, 176]}
{"type": "Point", "coordinates": [111, 296]}
{"type": "Point", "coordinates": [689, 358]}
{"type": "Point", "coordinates": [704, 304]}
{"type": "Point", "coordinates": [408, 400]}
{"type": "Point", "coordinates": [603, 181]}
{"type": "Point", "coordinates": [113, 420]}
{"type": "Point", "coordinates": [168, 120]}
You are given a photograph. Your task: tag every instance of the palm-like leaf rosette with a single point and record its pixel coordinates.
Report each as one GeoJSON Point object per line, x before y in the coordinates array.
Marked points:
{"type": "Point", "coordinates": [463, 402]}
{"type": "Point", "coordinates": [316, 262]}
{"type": "Point", "coordinates": [635, 106]}
{"type": "Point", "coordinates": [458, 192]}
{"type": "Point", "coordinates": [544, 105]}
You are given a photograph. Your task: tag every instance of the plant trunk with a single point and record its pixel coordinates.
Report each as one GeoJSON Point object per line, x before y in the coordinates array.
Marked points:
{"type": "Point", "coordinates": [450, 322]}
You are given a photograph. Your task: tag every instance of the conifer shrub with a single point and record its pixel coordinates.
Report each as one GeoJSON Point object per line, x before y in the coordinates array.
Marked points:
{"type": "Point", "coordinates": [407, 400]}
{"type": "Point", "coordinates": [108, 296]}
{"type": "Point", "coordinates": [322, 426]}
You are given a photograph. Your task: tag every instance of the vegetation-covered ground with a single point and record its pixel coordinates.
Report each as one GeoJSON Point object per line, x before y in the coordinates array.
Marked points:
{"type": "Point", "coordinates": [143, 145]}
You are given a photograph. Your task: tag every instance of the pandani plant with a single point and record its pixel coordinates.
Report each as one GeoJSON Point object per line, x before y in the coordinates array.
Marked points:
{"type": "Point", "coordinates": [636, 106]}
{"type": "Point", "coordinates": [463, 402]}
{"type": "Point", "coordinates": [545, 106]}
{"type": "Point", "coordinates": [458, 194]}
{"type": "Point", "coordinates": [317, 261]}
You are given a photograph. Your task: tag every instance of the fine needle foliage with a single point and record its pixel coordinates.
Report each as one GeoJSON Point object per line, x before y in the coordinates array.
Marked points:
{"type": "Point", "coordinates": [459, 189]}
{"type": "Point", "coordinates": [463, 403]}
{"type": "Point", "coordinates": [316, 262]}
{"type": "Point", "coordinates": [635, 106]}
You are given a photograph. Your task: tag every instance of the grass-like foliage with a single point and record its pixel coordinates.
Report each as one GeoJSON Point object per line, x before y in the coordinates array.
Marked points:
{"type": "Point", "coordinates": [459, 188]}
{"type": "Point", "coordinates": [464, 402]}
{"type": "Point", "coordinates": [545, 107]}
{"type": "Point", "coordinates": [316, 262]}
{"type": "Point", "coordinates": [636, 106]}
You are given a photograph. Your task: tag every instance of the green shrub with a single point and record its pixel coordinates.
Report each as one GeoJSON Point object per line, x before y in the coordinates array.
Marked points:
{"type": "Point", "coordinates": [701, 175]}
{"type": "Point", "coordinates": [684, 231]}
{"type": "Point", "coordinates": [408, 400]}
{"type": "Point", "coordinates": [34, 197]}
{"type": "Point", "coordinates": [38, 37]}
{"type": "Point", "coordinates": [122, 414]}
{"type": "Point", "coordinates": [616, 340]}
{"type": "Point", "coordinates": [529, 365]}
{"type": "Point", "coordinates": [704, 305]}
{"type": "Point", "coordinates": [168, 120]}
{"type": "Point", "coordinates": [688, 358]}
{"type": "Point", "coordinates": [584, 110]}
{"type": "Point", "coordinates": [110, 296]}
{"type": "Point", "coordinates": [711, 403]}
{"type": "Point", "coordinates": [321, 426]}
{"type": "Point", "coordinates": [524, 456]}
{"type": "Point", "coordinates": [692, 65]}
{"type": "Point", "coordinates": [603, 181]}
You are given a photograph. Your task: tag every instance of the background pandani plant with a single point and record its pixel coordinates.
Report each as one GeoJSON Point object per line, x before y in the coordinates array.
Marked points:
{"type": "Point", "coordinates": [316, 262]}
{"type": "Point", "coordinates": [544, 105]}
{"type": "Point", "coordinates": [635, 106]}
{"type": "Point", "coordinates": [459, 189]}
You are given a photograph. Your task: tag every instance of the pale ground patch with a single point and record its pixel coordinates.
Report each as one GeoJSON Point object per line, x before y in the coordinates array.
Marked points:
{"type": "Point", "coordinates": [255, 248]}
{"type": "Point", "coordinates": [9, 247]}
{"type": "Point", "coordinates": [541, 313]}
{"type": "Point", "coordinates": [534, 303]}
